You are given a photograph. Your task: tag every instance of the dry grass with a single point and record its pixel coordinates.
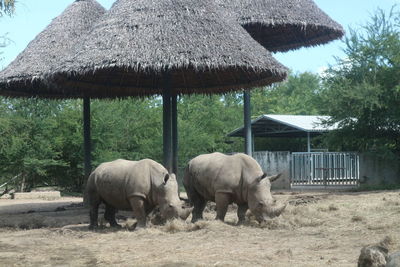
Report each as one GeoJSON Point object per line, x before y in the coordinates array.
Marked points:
{"type": "Point", "coordinates": [315, 230]}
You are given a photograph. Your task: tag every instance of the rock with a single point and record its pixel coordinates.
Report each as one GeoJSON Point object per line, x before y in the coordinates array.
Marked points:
{"type": "Point", "coordinates": [375, 255]}
{"type": "Point", "coordinates": [38, 195]}
{"type": "Point", "coordinates": [45, 189]}
{"type": "Point", "coordinates": [6, 196]}
{"type": "Point", "coordinates": [393, 260]}
{"type": "Point", "coordinates": [372, 256]}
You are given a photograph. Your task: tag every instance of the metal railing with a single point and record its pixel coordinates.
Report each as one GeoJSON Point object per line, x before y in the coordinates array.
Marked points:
{"type": "Point", "coordinates": [325, 168]}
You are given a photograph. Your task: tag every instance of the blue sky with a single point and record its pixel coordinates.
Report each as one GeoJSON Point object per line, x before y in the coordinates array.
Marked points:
{"type": "Point", "coordinates": [32, 16]}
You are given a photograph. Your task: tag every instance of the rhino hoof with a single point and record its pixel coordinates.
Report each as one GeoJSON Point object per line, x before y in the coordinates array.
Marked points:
{"type": "Point", "coordinates": [116, 225]}
{"type": "Point", "coordinates": [93, 227]}
{"type": "Point", "coordinates": [139, 227]}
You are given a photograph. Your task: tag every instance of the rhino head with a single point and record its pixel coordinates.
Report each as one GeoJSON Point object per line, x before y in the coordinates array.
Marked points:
{"type": "Point", "coordinates": [168, 200]}
{"type": "Point", "coordinates": [260, 200]}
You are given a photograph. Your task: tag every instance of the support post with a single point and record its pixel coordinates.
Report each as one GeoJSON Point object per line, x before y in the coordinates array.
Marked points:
{"type": "Point", "coordinates": [86, 137]}
{"type": "Point", "coordinates": [253, 145]}
{"type": "Point", "coordinates": [167, 147]}
{"type": "Point", "coordinates": [247, 122]}
{"type": "Point", "coordinates": [308, 142]}
{"type": "Point", "coordinates": [174, 112]}
{"type": "Point", "coordinates": [87, 148]}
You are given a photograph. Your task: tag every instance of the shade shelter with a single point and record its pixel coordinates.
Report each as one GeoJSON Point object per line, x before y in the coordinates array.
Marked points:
{"type": "Point", "coordinates": [26, 75]}
{"type": "Point", "coordinates": [287, 126]}
{"type": "Point", "coordinates": [281, 25]}
{"type": "Point", "coordinates": [142, 48]}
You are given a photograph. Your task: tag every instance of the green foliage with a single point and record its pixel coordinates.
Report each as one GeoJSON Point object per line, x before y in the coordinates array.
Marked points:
{"type": "Point", "coordinates": [204, 122]}
{"type": "Point", "coordinates": [299, 95]}
{"type": "Point", "coordinates": [26, 146]}
{"type": "Point", "coordinates": [127, 129]}
{"type": "Point", "coordinates": [362, 92]}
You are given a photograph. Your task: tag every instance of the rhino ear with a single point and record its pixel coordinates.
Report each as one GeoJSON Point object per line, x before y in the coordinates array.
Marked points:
{"type": "Point", "coordinates": [261, 177]}
{"type": "Point", "coordinates": [274, 178]}
{"type": "Point", "coordinates": [166, 178]}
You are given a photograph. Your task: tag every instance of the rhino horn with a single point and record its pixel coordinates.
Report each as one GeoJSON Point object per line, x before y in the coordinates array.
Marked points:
{"type": "Point", "coordinates": [184, 213]}
{"type": "Point", "coordinates": [275, 211]}
{"type": "Point", "coordinates": [259, 179]}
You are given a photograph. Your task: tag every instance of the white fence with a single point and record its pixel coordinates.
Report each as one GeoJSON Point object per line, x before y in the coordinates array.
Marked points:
{"type": "Point", "coordinates": [325, 169]}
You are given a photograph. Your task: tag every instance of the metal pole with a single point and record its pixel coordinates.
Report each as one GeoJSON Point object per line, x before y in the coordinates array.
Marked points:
{"type": "Point", "coordinates": [167, 148]}
{"type": "Point", "coordinates": [247, 122]}
{"type": "Point", "coordinates": [174, 103]}
{"type": "Point", "coordinates": [86, 137]}
{"type": "Point", "coordinates": [253, 145]}
{"type": "Point", "coordinates": [308, 142]}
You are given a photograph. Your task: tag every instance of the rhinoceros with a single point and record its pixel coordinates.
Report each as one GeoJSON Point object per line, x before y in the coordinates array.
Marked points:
{"type": "Point", "coordinates": [136, 186]}
{"type": "Point", "coordinates": [226, 179]}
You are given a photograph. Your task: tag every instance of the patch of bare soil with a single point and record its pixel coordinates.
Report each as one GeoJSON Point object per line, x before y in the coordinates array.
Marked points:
{"type": "Point", "coordinates": [316, 229]}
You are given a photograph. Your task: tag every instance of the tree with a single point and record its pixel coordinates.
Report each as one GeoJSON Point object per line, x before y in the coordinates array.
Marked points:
{"type": "Point", "coordinates": [204, 122]}
{"type": "Point", "coordinates": [299, 95]}
{"type": "Point", "coordinates": [362, 92]}
{"type": "Point", "coordinates": [27, 146]}
{"type": "Point", "coordinates": [7, 7]}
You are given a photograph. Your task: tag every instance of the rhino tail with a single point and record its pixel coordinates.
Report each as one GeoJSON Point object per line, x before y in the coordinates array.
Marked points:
{"type": "Point", "coordinates": [188, 185]}
{"type": "Point", "coordinates": [90, 189]}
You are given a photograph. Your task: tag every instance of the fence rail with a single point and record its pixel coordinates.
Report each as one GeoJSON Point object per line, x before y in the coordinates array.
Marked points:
{"type": "Point", "coordinates": [325, 168]}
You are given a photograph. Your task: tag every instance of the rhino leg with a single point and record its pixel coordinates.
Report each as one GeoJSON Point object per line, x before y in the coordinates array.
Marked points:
{"type": "Point", "coordinates": [241, 213]}
{"type": "Point", "coordinates": [109, 215]}
{"type": "Point", "coordinates": [222, 200]}
{"type": "Point", "coordinates": [139, 211]}
{"type": "Point", "coordinates": [94, 202]}
{"type": "Point", "coordinates": [199, 203]}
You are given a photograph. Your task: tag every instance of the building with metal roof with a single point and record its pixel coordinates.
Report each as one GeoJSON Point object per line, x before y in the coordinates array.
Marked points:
{"type": "Point", "coordinates": [288, 126]}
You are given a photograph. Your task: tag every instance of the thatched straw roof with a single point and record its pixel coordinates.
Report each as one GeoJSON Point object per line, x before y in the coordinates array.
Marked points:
{"type": "Point", "coordinates": [282, 25]}
{"type": "Point", "coordinates": [25, 75]}
{"type": "Point", "coordinates": [142, 46]}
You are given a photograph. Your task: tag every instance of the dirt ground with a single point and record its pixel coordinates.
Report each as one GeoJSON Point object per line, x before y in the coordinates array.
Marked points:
{"type": "Point", "coordinates": [316, 229]}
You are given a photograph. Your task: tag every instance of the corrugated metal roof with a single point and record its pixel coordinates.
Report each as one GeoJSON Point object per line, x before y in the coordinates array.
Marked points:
{"type": "Point", "coordinates": [306, 123]}
{"type": "Point", "coordinates": [286, 126]}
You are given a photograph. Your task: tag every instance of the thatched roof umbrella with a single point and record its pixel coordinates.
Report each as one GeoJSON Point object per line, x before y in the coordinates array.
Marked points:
{"type": "Point", "coordinates": [282, 25]}
{"type": "Point", "coordinates": [25, 76]}
{"type": "Point", "coordinates": [146, 47]}
{"type": "Point", "coordinates": [138, 45]}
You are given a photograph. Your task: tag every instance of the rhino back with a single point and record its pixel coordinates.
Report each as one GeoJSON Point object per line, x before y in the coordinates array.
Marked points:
{"type": "Point", "coordinates": [216, 172]}
{"type": "Point", "coordinates": [144, 179]}
{"type": "Point", "coordinates": [119, 180]}
{"type": "Point", "coordinates": [250, 168]}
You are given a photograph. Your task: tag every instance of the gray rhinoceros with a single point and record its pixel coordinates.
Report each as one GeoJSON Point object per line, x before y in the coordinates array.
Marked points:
{"type": "Point", "coordinates": [226, 179]}
{"type": "Point", "coordinates": [138, 186]}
